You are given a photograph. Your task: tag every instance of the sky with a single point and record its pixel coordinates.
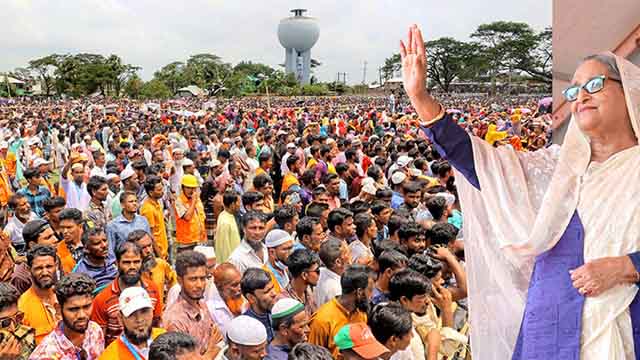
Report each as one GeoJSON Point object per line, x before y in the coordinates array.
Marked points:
{"type": "Point", "coordinates": [153, 33]}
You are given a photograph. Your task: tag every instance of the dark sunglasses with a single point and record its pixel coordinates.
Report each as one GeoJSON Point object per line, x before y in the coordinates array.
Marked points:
{"type": "Point", "coordinates": [592, 86]}
{"type": "Point", "coordinates": [317, 271]}
{"type": "Point", "coordinates": [15, 319]}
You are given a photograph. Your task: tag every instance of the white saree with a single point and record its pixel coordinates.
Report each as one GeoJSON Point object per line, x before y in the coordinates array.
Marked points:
{"type": "Point", "coordinates": [524, 206]}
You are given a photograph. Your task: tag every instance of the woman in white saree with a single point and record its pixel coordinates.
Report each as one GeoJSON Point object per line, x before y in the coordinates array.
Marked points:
{"type": "Point", "coordinates": [552, 236]}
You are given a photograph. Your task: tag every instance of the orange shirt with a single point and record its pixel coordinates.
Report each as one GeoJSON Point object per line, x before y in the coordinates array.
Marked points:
{"type": "Point", "coordinates": [38, 315]}
{"type": "Point", "coordinates": [152, 210]}
{"type": "Point", "coordinates": [162, 275]}
{"type": "Point", "coordinates": [288, 181]}
{"type": "Point", "coordinates": [5, 188]}
{"type": "Point", "coordinates": [66, 259]}
{"type": "Point", "coordinates": [117, 350]}
{"type": "Point", "coordinates": [190, 231]}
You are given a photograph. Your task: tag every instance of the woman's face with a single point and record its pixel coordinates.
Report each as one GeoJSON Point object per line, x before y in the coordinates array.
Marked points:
{"type": "Point", "coordinates": [604, 112]}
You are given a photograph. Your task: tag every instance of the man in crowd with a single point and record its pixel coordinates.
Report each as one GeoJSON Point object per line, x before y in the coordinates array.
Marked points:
{"type": "Point", "coordinates": [290, 324]}
{"type": "Point", "coordinates": [153, 211]}
{"type": "Point", "coordinates": [389, 263]}
{"type": "Point", "coordinates": [75, 336]}
{"type": "Point", "coordinates": [118, 229]}
{"type": "Point", "coordinates": [106, 309]}
{"type": "Point", "coordinates": [336, 257]}
{"type": "Point", "coordinates": [18, 340]}
{"type": "Point", "coordinates": [349, 308]}
{"type": "Point", "coordinates": [257, 288]}
{"type": "Point", "coordinates": [190, 216]}
{"type": "Point", "coordinates": [34, 192]}
{"type": "Point", "coordinates": [95, 261]}
{"type": "Point", "coordinates": [247, 339]}
{"type": "Point", "coordinates": [75, 189]}
{"type": "Point", "coordinates": [52, 209]}
{"type": "Point", "coordinates": [228, 302]}
{"type": "Point", "coordinates": [39, 303]}
{"type": "Point", "coordinates": [279, 245]}
{"type": "Point", "coordinates": [70, 249]}
{"type": "Point", "coordinates": [135, 311]}
{"type": "Point", "coordinates": [174, 345]}
{"type": "Point", "coordinates": [304, 267]}
{"type": "Point", "coordinates": [340, 222]}
{"type": "Point", "coordinates": [356, 342]}
{"type": "Point", "coordinates": [97, 212]}
{"type": "Point", "coordinates": [22, 214]}
{"type": "Point", "coordinates": [154, 269]}
{"type": "Point", "coordinates": [251, 253]}
{"type": "Point", "coordinates": [227, 236]}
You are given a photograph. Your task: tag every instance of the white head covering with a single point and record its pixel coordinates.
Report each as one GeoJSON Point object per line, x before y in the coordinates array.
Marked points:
{"type": "Point", "coordinates": [276, 238]}
{"type": "Point", "coordinates": [245, 330]}
{"type": "Point", "coordinates": [208, 251]}
{"type": "Point", "coordinates": [133, 299]}
{"type": "Point", "coordinates": [527, 201]}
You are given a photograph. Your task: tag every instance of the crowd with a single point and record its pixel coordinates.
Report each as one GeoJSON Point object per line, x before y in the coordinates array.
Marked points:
{"type": "Point", "coordinates": [294, 228]}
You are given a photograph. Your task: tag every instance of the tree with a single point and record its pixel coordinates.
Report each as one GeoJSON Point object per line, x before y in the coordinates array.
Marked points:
{"type": "Point", "coordinates": [133, 86]}
{"type": "Point", "coordinates": [448, 59]}
{"type": "Point", "coordinates": [391, 66]}
{"type": "Point", "coordinates": [155, 89]}
{"type": "Point", "coordinates": [511, 46]}
{"type": "Point", "coordinates": [45, 68]}
{"type": "Point", "coordinates": [172, 75]}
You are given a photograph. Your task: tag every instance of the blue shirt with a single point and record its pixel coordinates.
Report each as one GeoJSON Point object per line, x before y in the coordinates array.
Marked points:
{"type": "Point", "coordinates": [119, 228]}
{"type": "Point", "coordinates": [103, 275]}
{"type": "Point", "coordinates": [36, 200]}
{"type": "Point", "coordinates": [277, 352]}
{"type": "Point", "coordinates": [396, 200]}
{"type": "Point", "coordinates": [265, 320]}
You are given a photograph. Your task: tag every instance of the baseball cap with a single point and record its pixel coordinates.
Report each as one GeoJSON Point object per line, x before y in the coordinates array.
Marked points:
{"type": "Point", "coordinates": [133, 299]}
{"type": "Point", "coordinates": [358, 337]}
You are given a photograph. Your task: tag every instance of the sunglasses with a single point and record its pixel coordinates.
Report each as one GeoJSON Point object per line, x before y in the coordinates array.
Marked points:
{"type": "Point", "coordinates": [14, 319]}
{"type": "Point", "coordinates": [592, 86]}
{"type": "Point", "coordinates": [317, 271]}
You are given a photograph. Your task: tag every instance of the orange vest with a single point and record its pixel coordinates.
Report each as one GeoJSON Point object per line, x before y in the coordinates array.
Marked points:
{"type": "Point", "coordinates": [5, 189]}
{"type": "Point", "coordinates": [191, 231]}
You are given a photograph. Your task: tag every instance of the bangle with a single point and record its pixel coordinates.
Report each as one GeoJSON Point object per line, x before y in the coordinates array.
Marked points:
{"type": "Point", "coordinates": [435, 119]}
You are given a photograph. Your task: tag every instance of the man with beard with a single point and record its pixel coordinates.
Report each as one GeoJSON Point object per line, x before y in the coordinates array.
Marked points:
{"type": "Point", "coordinates": [412, 193]}
{"type": "Point", "coordinates": [75, 336]}
{"type": "Point", "coordinates": [97, 212]}
{"type": "Point", "coordinates": [135, 310]}
{"type": "Point", "coordinates": [129, 180]}
{"type": "Point", "coordinates": [190, 216]}
{"type": "Point", "coordinates": [227, 302]}
{"type": "Point", "coordinates": [70, 249]}
{"type": "Point", "coordinates": [153, 211]}
{"type": "Point", "coordinates": [154, 269]}
{"type": "Point", "coordinates": [22, 214]}
{"type": "Point", "coordinates": [39, 303]}
{"type": "Point", "coordinates": [357, 284]}
{"type": "Point", "coordinates": [247, 339]}
{"type": "Point", "coordinates": [279, 244]}
{"type": "Point", "coordinates": [290, 326]}
{"type": "Point", "coordinates": [75, 189]}
{"type": "Point", "coordinates": [257, 288]}
{"type": "Point", "coordinates": [251, 253]}
{"type": "Point", "coordinates": [189, 314]}
{"type": "Point", "coordinates": [95, 261]}
{"type": "Point", "coordinates": [106, 311]}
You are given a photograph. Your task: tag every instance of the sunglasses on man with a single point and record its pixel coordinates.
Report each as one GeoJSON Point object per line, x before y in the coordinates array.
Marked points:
{"type": "Point", "coordinates": [592, 86]}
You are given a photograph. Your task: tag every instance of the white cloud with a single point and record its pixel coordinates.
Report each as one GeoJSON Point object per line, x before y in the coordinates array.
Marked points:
{"type": "Point", "coordinates": [152, 33]}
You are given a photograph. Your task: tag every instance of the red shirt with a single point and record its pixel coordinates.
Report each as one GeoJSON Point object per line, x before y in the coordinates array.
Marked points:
{"type": "Point", "coordinates": [106, 308]}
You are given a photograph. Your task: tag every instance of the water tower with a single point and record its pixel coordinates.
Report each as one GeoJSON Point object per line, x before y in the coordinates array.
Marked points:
{"type": "Point", "coordinates": [298, 34]}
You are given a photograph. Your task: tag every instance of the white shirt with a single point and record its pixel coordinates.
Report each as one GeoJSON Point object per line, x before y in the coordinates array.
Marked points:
{"type": "Point", "coordinates": [328, 286]}
{"type": "Point", "coordinates": [219, 312]}
{"type": "Point", "coordinates": [77, 196]}
{"type": "Point", "coordinates": [244, 257]}
{"type": "Point", "coordinates": [98, 171]}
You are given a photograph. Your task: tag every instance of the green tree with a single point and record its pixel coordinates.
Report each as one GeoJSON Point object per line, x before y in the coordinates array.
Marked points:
{"type": "Point", "coordinates": [45, 68]}
{"type": "Point", "coordinates": [155, 89]}
{"type": "Point", "coordinates": [391, 66]}
{"type": "Point", "coordinates": [172, 75]}
{"type": "Point", "coordinates": [133, 87]}
{"type": "Point", "coordinates": [449, 59]}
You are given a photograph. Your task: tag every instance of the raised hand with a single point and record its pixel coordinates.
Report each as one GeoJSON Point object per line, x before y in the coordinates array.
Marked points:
{"type": "Point", "coordinates": [414, 63]}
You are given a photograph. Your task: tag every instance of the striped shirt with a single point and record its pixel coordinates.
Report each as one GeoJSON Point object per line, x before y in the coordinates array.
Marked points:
{"type": "Point", "coordinates": [106, 309]}
{"type": "Point", "coordinates": [36, 200]}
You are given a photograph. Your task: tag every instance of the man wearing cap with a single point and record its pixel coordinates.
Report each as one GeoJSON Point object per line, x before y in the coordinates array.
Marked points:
{"type": "Point", "coordinates": [290, 326]}
{"type": "Point", "coordinates": [136, 315]}
{"type": "Point", "coordinates": [34, 192]}
{"type": "Point", "coordinates": [291, 150]}
{"type": "Point", "coordinates": [397, 180]}
{"type": "Point", "coordinates": [75, 190]}
{"type": "Point", "coordinates": [43, 167]}
{"type": "Point", "coordinates": [247, 339]}
{"type": "Point", "coordinates": [190, 216]}
{"type": "Point", "coordinates": [189, 314]}
{"type": "Point", "coordinates": [279, 244]}
{"type": "Point", "coordinates": [356, 342]}
{"type": "Point", "coordinates": [130, 183]}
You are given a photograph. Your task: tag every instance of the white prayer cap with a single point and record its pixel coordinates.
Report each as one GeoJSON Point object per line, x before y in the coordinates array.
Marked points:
{"type": "Point", "coordinates": [4, 145]}
{"type": "Point", "coordinates": [40, 161]}
{"type": "Point", "coordinates": [245, 330]}
{"type": "Point", "coordinates": [127, 173]}
{"type": "Point", "coordinates": [177, 149]}
{"type": "Point", "coordinates": [215, 162]}
{"type": "Point", "coordinates": [404, 160]}
{"type": "Point", "coordinates": [369, 189]}
{"type": "Point", "coordinates": [111, 176]}
{"type": "Point", "coordinates": [291, 146]}
{"type": "Point", "coordinates": [286, 307]}
{"type": "Point", "coordinates": [415, 172]}
{"type": "Point", "coordinates": [187, 162]}
{"type": "Point", "coordinates": [33, 141]}
{"type": "Point", "coordinates": [276, 237]}
{"type": "Point", "coordinates": [208, 251]}
{"type": "Point", "coordinates": [398, 177]}
{"type": "Point", "coordinates": [450, 198]}
{"type": "Point", "coordinates": [77, 165]}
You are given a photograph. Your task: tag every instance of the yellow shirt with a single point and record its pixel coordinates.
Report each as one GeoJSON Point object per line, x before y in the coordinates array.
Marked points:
{"type": "Point", "coordinates": [152, 211]}
{"type": "Point", "coordinates": [42, 318]}
{"type": "Point", "coordinates": [328, 320]}
{"type": "Point", "coordinates": [227, 236]}
{"type": "Point", "coordinates": [163, 276]}
{"type": "Point", "coordinates": [312, 163]}
{"type": "Point", "coordinates": [288, 181]}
